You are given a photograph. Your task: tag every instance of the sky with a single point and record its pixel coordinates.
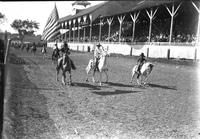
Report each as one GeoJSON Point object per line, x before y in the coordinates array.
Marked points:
{"type": "Point", "coordinates": [38, 11]}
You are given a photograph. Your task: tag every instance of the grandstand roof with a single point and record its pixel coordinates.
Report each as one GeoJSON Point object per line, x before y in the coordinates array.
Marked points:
{"type": "Point", "coordinates": [111, 8]}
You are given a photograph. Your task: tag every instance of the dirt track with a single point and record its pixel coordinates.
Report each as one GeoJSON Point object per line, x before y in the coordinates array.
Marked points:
{"type": "Point", "coordinates": [39, 107]}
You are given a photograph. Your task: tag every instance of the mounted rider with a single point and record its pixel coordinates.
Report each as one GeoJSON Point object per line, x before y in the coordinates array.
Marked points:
{"type": "Point", "coordinates": [56, 51]}
{"type": "Point", "coordinates": [97, 53]}
{"type": "Point", "coordinates": [140, 62]}
{"type": "Point", "coordinates": [44, 48]}
{"type": "Point", "coordinates": [65, 56]}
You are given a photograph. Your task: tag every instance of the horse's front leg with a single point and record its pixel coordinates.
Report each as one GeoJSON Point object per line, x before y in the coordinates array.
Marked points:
{"type": "Point", "coordinates": [139, 80]}
{"type": "Point", "coordinates": [93, 76]}
{"type": "Point", "coordinates": [106, 76]}
{"type": "Point", "coordinates": [87, 73]}
{"type": "Point", "coordinates": [132, 77]}
{"type": "Point", "coordinates": [145, 80]}
{"type": "Point", "coordinates": [63, 78]}
{"type": "Point", "coordinates": [70, 78]}
{"type": "Point", "coordinates": [57, 72]}
{"type": "Point", "coordinates": [100, 78]}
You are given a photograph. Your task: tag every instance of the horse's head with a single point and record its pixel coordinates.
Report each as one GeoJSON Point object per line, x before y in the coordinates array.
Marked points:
{"type": "Point", "coordinates": [149, 66]}
{"type": "Point", "coordinates": [105, 53]}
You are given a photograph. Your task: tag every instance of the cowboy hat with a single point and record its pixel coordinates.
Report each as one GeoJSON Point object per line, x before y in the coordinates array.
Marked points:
{"type": "Point", "coordinates": [98, 44]}
{"type": "Point", "coordinates": [142, 54]}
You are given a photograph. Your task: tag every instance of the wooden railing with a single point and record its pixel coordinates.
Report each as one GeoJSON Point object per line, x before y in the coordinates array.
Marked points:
{"type": "Point", "coordinates": [144, 43]}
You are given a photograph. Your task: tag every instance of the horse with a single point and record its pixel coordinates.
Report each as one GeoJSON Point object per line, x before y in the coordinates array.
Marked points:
{"type": "Point", "coordinates": [65, 67]}
{"type": "Point", "coordinates": [44, 51]}
{"type": "Point", "coordinates": [145, 71]}
{"type": "Point", "coordinates": [27, 48]}
{"type": "Point", "coordinates": [33, 49]}
{"type": "Point", "coordinates": [102, 66]}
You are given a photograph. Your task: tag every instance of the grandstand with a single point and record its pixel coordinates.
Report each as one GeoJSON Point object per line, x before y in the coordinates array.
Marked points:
{"type": "Point", "coordinates": [165, 22]}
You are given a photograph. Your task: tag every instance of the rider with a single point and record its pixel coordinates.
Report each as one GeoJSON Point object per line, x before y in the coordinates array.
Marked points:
{"type": "Point", "coordinates": [97, 53]}
{"type": "Point", "coordinates": [65, 55]}
{"type": "Point", "coordinates": [140, 62]}
{"type": "Point", "coordinates": [56, 50]}
{"type": "Point", "coordinates": [44, 47]}
{"type": "Point", "coordinates": [65, 52]}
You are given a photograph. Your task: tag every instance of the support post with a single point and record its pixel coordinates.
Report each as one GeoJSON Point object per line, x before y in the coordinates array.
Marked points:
{"type": "Point", "coordinates": [90, 27]}
{"type": "Point", "coordinates": [66, 31]}
{"type": "Point", "coordinates": [70, 30]}
{"type": "Point", "coordinates": [74, 31]}
{"type": "Point", "coordinates": [150, 15]}
{"type": "Point", "coordinates": [100, 23]}
{"type": "Point", "coordinates": [198, 28]}
{"type": "Point", "coordinates": [121, 18]}
{"type": "Point", "coordinates": [84, 18]}
{"type": "Point", "coordinates": [134, 19]}
{"type": "Point", "coordinates": [79, 19]}
{"type": "Point", "coordinates": [172, 13]}
{"type": "Point", "coordinates": [109, 27]}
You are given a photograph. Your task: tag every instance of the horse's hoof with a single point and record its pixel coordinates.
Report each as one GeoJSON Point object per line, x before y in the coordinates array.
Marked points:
{"type": "Point", "coordinates": [71, 84]}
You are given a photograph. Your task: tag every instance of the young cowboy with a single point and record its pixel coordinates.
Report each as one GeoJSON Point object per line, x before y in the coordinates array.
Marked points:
{"type": "Point", "coordinates": [65, 52]}
{"type": "Point", "coordinates": [97, 53]}
{"type": "Point", "coordinates": [140, 62]}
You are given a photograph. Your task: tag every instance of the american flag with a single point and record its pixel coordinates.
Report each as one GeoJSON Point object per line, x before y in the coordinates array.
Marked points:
{"type": "Point", "coordinates": [52, 27]}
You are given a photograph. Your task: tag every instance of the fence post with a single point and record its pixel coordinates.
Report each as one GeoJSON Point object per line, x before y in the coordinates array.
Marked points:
{"type": "Point", "coordinates": [168, 54]}
{"type": "Point", "coordinates": [195, 54]}
{"type": "Point", "coordinates": [131, 51]}
{"type": "Point", "coordinates": [147, 52]}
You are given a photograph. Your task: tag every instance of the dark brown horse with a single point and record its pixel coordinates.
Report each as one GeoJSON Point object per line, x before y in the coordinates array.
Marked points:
{"type": "Point", "coordinates": [65, 64]}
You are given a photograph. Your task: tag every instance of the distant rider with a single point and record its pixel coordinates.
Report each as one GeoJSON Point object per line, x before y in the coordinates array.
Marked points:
{"type": "Point", "coordinates": [97, 53]}
{"type": "Point", "coordinates": [140, 62]}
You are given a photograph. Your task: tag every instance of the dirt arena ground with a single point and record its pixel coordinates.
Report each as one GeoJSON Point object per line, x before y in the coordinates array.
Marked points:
{"type": "Point", "coordinates": [39, 107]}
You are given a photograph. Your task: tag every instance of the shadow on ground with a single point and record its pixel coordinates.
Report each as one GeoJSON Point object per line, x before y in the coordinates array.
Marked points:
{"type": "Point", "coordinates": [119, 84]}
{"type": "Point", "coordinates": [163, 86]}
{"type": "Point", "coordinates": [115, 92]}
{"type": "Point", "coordinates": [87, 85]}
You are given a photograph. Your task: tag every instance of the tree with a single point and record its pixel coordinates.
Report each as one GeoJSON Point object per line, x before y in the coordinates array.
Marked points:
{"type": "Point", "coordinates": [25, 27]}
{"type": "Point", "coordinates": [2, 18]}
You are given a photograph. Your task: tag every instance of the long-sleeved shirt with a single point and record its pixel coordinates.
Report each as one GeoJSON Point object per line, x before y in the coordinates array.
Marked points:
{"type": "Point", "coordinates": [98, 51]}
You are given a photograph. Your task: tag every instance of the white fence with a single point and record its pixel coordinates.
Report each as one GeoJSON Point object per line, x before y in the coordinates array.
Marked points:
{"type": "Point", "coordinates": [150, 50]}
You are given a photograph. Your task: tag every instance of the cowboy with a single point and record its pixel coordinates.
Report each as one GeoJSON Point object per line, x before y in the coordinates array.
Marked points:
{"type": "Point", "coordinates": [44, 47]}
{"type": "Point", "coordinates": [140, 62]}
{"type": "Point", "coordinates": [65, 52]}
{"type": "Point", "coordinates": [56, 51]}
{"type": "Point", "coordinates": [97, 53]}
{"type": "Point", "coordinates": [65, 56]}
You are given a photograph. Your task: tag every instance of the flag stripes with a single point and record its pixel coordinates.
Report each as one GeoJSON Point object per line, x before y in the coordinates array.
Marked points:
{"type": "Point", "coordinates": [52, 26]}
{"type": "Point", "coordinates": [53, 32]}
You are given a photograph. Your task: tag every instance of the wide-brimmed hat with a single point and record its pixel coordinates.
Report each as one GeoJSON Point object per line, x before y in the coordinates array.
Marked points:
{"type": "Point", "coordinates": [142, 54]}
{"type": "Point", "coordinates": [98, 44]}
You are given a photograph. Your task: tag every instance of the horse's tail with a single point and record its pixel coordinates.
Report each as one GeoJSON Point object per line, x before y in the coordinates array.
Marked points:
{"type": "Point", "coordinates": [89, 66]}
{"type": "Point", "coordinates": [134, 69]}
{"type": "Point", "coordinates": [72, 65]}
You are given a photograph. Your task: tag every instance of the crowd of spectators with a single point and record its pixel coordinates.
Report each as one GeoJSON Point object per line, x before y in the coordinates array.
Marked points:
{"type": "Point", "coordinates": [160, 33]}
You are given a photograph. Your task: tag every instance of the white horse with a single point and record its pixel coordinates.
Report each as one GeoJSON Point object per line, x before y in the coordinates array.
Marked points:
{"type": "Point", "coordinates": [145, 71]}
{"type": "Point", "coordinates": [102, 66]}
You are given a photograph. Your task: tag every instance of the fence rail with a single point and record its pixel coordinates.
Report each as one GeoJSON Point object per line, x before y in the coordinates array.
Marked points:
{"type": "Point", "coordinates": [143, 43]}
